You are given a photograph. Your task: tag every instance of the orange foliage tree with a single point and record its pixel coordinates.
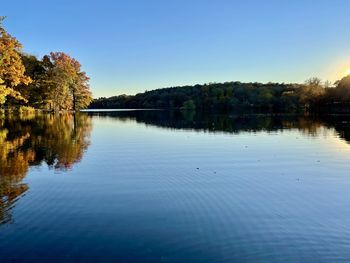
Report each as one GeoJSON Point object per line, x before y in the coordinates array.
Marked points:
{"type": "Point", "coordinates": [70, 85]}
{"type": "Point", "coordinates": [11, 67]}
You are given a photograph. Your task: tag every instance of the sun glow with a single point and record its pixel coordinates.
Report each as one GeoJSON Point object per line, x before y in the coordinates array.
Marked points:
{"type": "Point", "coordinates": [347, 71]}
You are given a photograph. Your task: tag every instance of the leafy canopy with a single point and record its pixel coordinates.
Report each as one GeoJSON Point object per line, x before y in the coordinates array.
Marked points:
{"type": "Point", "coordinates": [12, 70]}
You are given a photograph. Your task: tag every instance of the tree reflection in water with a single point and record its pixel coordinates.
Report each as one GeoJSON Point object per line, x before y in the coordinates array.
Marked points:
{"type": "Point", "coordinates": [59, 140]}
{"type": "Point", "coordinates": [236, 122]}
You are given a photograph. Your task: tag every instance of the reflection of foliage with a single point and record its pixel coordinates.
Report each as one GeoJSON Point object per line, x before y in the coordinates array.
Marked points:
{"type": "Point", "coordinates": [188, 114]}
{"type": "Point", "coordinates": [236, 123]}
{"type": "Point", "coordinates": [12, 162]}
{"type": "Point", "coordinates": [27, 140]}
{"type": "Point", "coordinates": [64, 138]}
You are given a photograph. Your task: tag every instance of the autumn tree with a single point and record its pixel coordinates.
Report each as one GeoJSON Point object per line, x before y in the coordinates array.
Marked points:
{"type": "Point", "coordinates": [70, 86]}
{"type": "Point", "coordinates": [12, 70]}
{"type": "Point", "coordinates": [58, 83]}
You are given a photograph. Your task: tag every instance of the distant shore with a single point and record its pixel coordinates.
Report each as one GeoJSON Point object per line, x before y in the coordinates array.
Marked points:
{"type": "Point", "coordinates": [312, 96]}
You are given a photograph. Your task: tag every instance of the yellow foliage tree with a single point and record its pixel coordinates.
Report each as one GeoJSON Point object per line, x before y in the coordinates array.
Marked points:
{"type": "Point", "coordinates": [12, 70]}
{"type": "Point", "coordinates": [71, 85]}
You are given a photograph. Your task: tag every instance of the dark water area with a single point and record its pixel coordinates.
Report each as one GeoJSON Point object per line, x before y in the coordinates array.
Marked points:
{"type": "Point", "coordinates": [170, 186]}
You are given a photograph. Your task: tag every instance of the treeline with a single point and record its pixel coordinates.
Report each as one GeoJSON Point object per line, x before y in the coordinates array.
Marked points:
{"type": "Point", "coordinates": [312, 95]}
{"type": "Point", "coordinates": [55, 82]}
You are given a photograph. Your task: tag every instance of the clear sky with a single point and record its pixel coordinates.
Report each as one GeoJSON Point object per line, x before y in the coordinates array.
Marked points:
{"type": "Point", "coordinates": [131, 46]}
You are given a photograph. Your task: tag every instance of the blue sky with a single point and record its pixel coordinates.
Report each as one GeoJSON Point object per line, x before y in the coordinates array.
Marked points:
{"type": "Point", "coordinates": [131, 46]}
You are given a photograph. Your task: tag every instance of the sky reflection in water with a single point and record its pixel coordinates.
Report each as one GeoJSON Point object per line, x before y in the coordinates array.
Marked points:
{"type": "Point", "coordinates": [159, 186]}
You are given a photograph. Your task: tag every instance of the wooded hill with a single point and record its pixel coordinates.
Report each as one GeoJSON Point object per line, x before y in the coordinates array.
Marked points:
{"type": "Point", "coordinates": [311, 95]}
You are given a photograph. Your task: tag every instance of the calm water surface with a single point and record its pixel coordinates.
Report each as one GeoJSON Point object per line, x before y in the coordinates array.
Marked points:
{"type": "Point", "coordinates": [158, 186]}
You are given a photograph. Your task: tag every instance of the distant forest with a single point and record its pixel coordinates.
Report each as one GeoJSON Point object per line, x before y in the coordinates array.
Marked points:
{"type": "Point", "coordinates": [313, 95]}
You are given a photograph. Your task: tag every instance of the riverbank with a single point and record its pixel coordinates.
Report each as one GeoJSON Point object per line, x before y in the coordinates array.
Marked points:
{"type": "Point", "coordinates": [26, 109]}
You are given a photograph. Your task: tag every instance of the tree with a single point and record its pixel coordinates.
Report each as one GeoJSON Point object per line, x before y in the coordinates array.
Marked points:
{"type": "Point", "coordinates": [344, 87]}
{"type": "Point", "coordinates": [70, 88]}
{"type": "Point", "coordinates": [37, 92]}
{"type": "Point", "coordinates": [311, 92]}
{"type": "Point", "coordinates": [315, 82]}
{"type": "Point", "coordinates": [11, 67]}
{"type": "Point", "coordinates": [188, 105]}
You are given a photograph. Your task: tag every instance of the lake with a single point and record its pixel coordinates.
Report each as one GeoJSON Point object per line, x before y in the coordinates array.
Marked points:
{"type": "Point", "coordinates": [162, 186]}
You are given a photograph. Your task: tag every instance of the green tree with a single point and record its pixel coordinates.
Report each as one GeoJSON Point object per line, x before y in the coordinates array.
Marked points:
{"type": "Point", "coordinates": [37, 93]}
{"type": "Point", "coordinates": [188, 105]}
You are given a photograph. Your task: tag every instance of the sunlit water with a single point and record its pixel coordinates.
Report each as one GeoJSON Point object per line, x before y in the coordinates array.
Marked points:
{"type": "Point", "coordinates": [159, 186]}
